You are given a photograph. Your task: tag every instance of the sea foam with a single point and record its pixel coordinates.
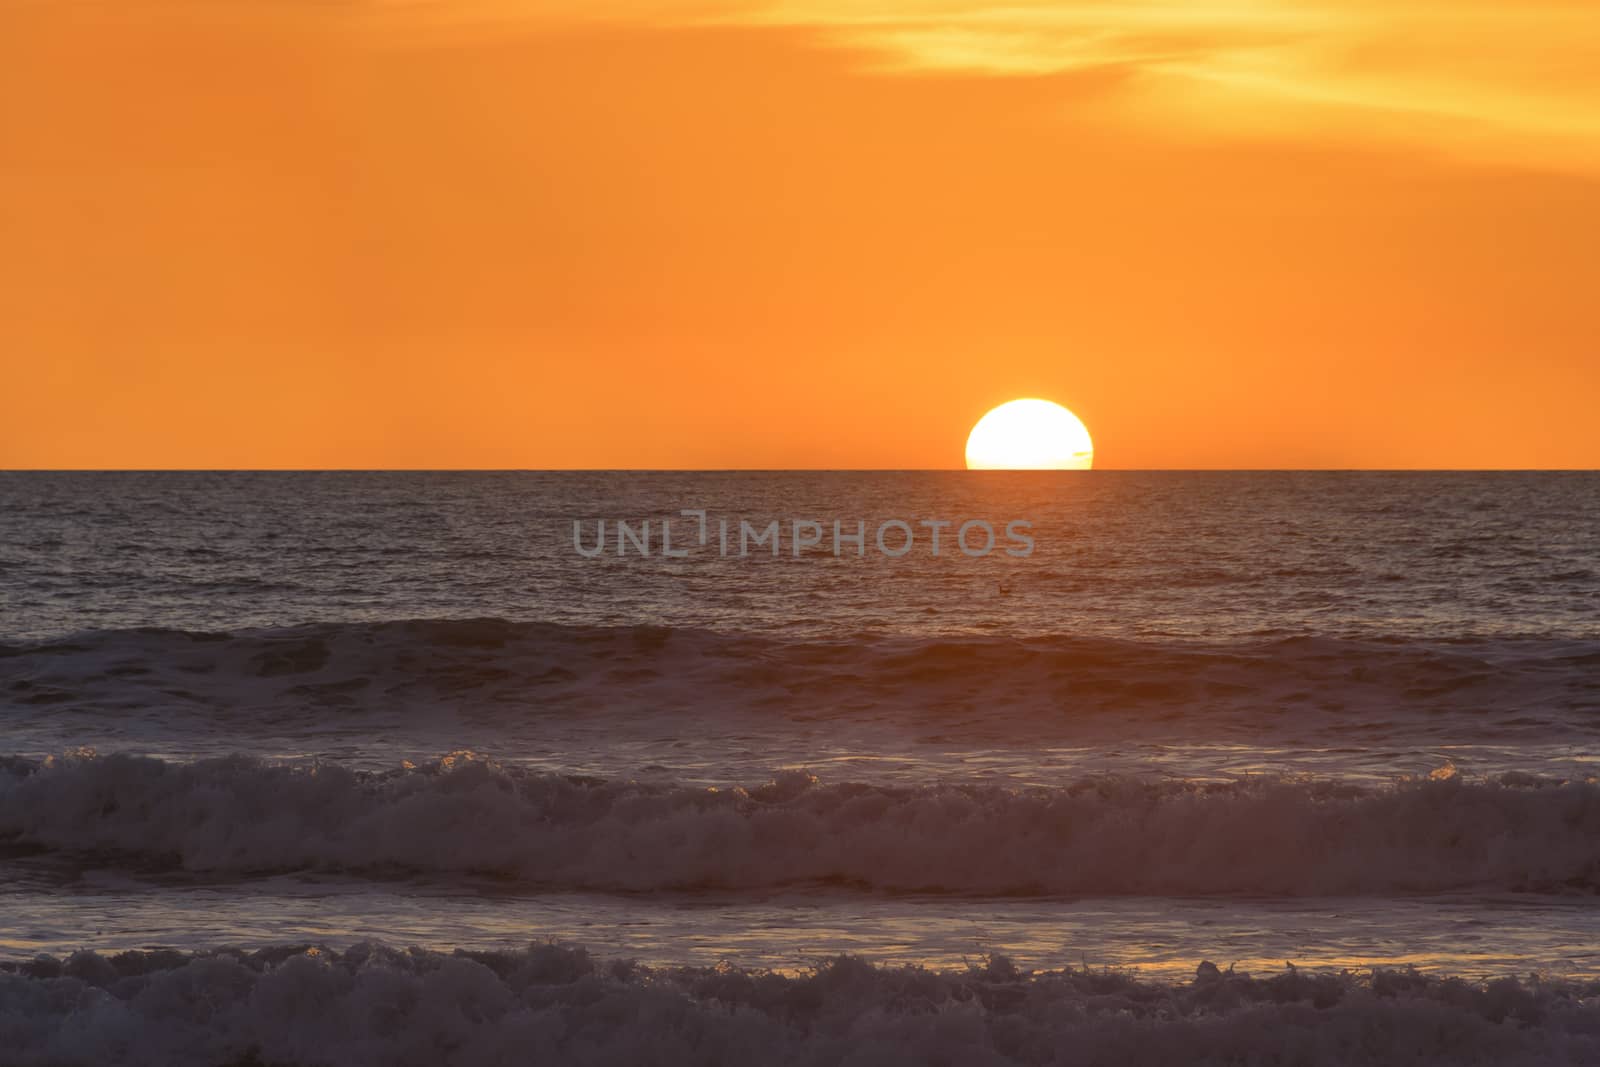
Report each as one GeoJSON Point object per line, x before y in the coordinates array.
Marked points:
{"type": "Point", "coordinates": [375, 1005]}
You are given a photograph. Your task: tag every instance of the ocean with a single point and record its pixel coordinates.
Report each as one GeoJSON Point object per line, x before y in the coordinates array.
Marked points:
{"type": "Point", "coordinates": [1138, 767]}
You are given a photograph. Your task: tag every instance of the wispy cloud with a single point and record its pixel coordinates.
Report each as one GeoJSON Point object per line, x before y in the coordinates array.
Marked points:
{"type": "Point", "coordinates": [1509, 81]}
{"type": "Point", "coordinates": [1482, 78]}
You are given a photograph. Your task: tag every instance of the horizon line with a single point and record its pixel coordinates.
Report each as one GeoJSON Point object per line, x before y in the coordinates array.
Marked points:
{"type": "Point", "coordinates": [795, 470]}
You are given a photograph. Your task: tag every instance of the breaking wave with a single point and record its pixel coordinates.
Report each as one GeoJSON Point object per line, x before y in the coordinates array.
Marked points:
{"type": "Point", "coordinates": [308, 1007]}
{"type": "Point", "coordinates": [1103, 836]}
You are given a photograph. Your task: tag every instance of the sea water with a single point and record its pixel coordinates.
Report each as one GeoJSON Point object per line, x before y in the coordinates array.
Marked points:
{"type": "Point", "coordinates": [1334, 728]}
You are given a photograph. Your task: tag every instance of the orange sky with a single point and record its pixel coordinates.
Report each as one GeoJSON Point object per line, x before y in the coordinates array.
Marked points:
{"type": "Point", "coordinates": [820, 233]}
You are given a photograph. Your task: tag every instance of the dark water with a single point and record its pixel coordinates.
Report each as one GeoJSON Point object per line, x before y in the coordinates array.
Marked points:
{"type": "Point", "coordinates": [1205, 556]}
{"type": "Point", "coordinates": [1348, 720]}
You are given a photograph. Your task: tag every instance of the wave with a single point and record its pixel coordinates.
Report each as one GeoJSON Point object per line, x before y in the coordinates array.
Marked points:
{"type": "Point", "coordinates": [492, 668]}
{"type": "Point", "coordinates": [1102, 836]}
{"type": "Point", "coordinates": [309, 1006]}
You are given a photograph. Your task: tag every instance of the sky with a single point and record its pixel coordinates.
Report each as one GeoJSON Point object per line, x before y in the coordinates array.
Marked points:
{"type": "Point", "coordinates": [797, 233]}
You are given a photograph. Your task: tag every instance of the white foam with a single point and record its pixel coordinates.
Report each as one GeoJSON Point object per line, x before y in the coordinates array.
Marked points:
{"type": "Point", "coordinates": [373, 1005]}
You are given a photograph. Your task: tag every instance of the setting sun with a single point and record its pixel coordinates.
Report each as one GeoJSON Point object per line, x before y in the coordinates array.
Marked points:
{"type": "Point", "coordinates": [1030, 435]}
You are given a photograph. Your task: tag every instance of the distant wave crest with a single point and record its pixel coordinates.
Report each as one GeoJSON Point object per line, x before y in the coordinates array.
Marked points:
{"type": "Point", "coordinates": [493, 668]}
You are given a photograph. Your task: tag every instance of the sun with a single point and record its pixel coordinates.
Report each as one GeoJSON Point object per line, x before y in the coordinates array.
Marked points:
{"type": "Point", "coordinates": [1030, 435]}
